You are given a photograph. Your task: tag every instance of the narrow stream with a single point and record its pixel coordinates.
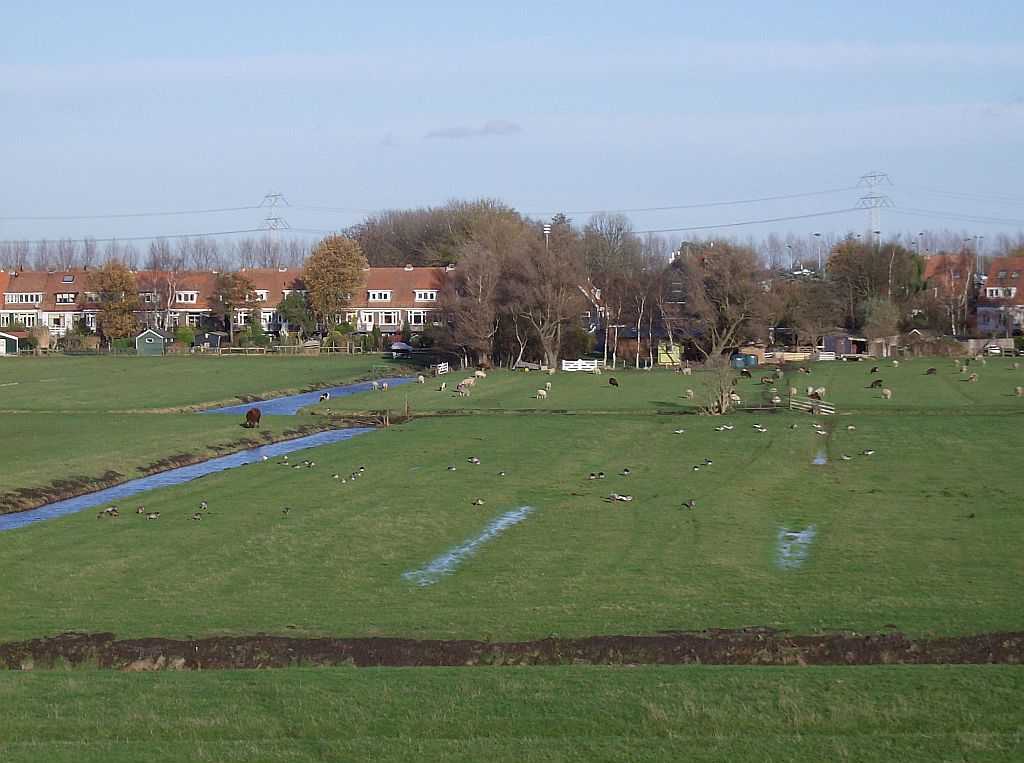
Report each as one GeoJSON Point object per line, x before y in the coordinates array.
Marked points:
{"type": "Point", "coordinates": [289, 406]}
{"type": "Point", "coordinates": [175, 477]}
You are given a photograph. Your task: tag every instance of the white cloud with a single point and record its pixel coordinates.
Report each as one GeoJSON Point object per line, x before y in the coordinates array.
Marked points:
{"type": "Point", "coordinates": [493, 127]}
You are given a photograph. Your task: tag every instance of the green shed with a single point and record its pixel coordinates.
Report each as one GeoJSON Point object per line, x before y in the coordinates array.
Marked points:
{"type": "Point", "coordinates": [153, 342]}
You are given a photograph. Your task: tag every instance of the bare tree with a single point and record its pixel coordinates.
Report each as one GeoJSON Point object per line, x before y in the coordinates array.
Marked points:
{"type": "Point", "coordinates": [65, 254]}
{"type": "Point", "coordinates": [90, 253]}
{"type": "Point", "coordinates": [43, 256]}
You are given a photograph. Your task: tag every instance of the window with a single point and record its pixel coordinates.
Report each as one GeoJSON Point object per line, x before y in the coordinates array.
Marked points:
{"type": "Point", "coordinates": [389, 318]}
{"type": "Point", "coordinates": [56, 321]}
{"type": "Point", "coordinates": [416, 317]}
{"type": "Point", "coordinates": [1001, 274]}
{"type": "Point", "coordinates": [956, 274]}
{"type": "Point", "coordinates": [426, 295]}
{"type": "Point", "coordinates": [194, 320]}
{"type": "Point", "coordinates": [1015, 274]}
{"type": "Point", "coordinates": [67, 298]}
{"type": "Point", "coordinates": [262, 295]}
{"type": "Point", "coordinates": [379, 296]}
{"type": "Point", "coordinates": [92, 296]}
{"type": "Point", "coordinates": [23, 299]}
{"type": "Point", "coordinates": [186, 296]}
{"type": "Point", "coordinates": [147, 296]}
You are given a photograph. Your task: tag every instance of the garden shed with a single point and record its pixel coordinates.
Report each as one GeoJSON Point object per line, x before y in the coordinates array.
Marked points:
{"type": "Point", "coordinates": [9, 341]}
{"type": "Point", "coordinates": [153, 342]}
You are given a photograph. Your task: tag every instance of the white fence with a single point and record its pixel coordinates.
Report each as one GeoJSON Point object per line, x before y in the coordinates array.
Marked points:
{"type": "Point", "coordinates": [441, 368]}
{"type": "Point", "coordinates": [826, 356]}
{"type": "Point", "coordinates": [579, 365]}
{"type": "Point", "coordinates": [811, 405]}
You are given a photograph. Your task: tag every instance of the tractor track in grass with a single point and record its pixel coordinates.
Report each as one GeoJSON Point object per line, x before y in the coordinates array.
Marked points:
{"type": "Point", "coordinates": [749, 646]}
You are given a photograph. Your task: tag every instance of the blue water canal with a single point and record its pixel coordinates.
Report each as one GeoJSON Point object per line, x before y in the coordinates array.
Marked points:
{"type": "Point", "coordinates": [282, 406]}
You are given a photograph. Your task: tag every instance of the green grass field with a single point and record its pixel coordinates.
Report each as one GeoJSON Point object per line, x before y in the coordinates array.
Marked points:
{"type": "Point", "coordinates": [921, 537]}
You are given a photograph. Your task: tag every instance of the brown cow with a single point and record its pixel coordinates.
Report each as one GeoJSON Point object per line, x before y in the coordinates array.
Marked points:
{"type": "Point", "coordinates": [252, 418]}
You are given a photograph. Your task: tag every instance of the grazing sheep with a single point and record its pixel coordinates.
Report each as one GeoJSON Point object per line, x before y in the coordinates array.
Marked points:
{"type": "Point", "coordinates": [140, 509]}
{"type": "Point", "coordinates": [197, 517]}
{"type": "Point", "coordinates": [931, 372]}
{"type": "Point", "coordinates": [815, 396]}
{"type": "Point", "coordinates": [963, 370]}
{"type": "Point", "coordinates": [325, 397]}
{"type": "Point", "coordinates": [383, 385]}
{"type": "Point", "coordinates": [886, 394]}
{"type": "Point", "coordinates": [792, 391]}
{"type": "Point", "coordinates": [469, 381]}
{"type": "Point", "coordinates": [874, 370]}
{"type": "Point", "coordinates": [551, 372]}
{"type": "Point", "coordinates": [733, 397]}
{"type": "Point", "coordinates": [810, 390]}
{"type": "Point", "coordinates": [776, 400]}
{"type": "Point", "coordinates": [895, 364]}
{"type": "Point", "coordinates": [820, 391]}
{"type": "Point", "coordinates": [766, 380]}
{"type": "Point", "coordinates": [374, 385]}
{"type": "Point", "coordinates": [442, 386]}
{"type": "Point", "coordinates": [956, 362]}
{"type": "Point", "coordinates": [689, 394]}
{"type": "Point", "coordinates": [153, 515]}
{"type": "Point", "coordinates": [542, 394]}
{"type": "Point", "coordinates": [745, 374]}
{"type": "Point", "coordinates": [612, 381]}
{"type": "Point", "coordinates": [421, 379]}
{"type": "Point", "coordinates": [597, 371]}
{"type": "Point", "coordinates": [972, 378]}
{"type": "Point", "coordinates": [547, 386]}
{"type": "Point", "coordinates": [778, 373]}
{"type": "Point", "coordinates": [875, 384]}
{"type": "Point", "coordinates": [463, 391]}
{"type": "Point", "coordinates": [1016, 365]}
{"type": "Point", "coordinates": [687, 371]}
{"type": "Point", "coordinates": [479, 374]}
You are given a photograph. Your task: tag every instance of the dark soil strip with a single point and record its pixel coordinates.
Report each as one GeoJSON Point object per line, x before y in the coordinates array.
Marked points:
{"type": "Point", "coordinates": [103, 650]}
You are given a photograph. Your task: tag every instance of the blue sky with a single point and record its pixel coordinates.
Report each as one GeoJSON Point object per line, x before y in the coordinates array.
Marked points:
{"type": "Point", "coordinates": [115, 108]}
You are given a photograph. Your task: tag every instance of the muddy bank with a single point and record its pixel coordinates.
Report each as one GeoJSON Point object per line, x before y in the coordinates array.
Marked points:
{"type": "Point", "coordinates": [750, 647]}
{"type": "Point", "coordinates": [26, 499]}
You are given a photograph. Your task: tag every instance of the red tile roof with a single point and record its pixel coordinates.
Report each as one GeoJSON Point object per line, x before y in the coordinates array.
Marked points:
{"type": "Point", "coordinates": [1005, 272]}
{"type": "Point", "coordinates": [950, 274]}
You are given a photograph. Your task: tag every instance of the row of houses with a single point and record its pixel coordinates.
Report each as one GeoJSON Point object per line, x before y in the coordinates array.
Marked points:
{"type": "Point", "coordinates": [58, 300]}
{"type": "Point", "coordinates": [998, 296]}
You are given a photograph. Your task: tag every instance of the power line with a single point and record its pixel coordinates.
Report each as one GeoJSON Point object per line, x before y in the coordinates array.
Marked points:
{"type": "Point", "coordinates": [749, 222]}
{"type": "Point", "coordinates": [136, 238]}
{"type": "Point", "coordinates": [960, 195]}
{"type": "Point", "coordinates": [127, 214]}
{"type": "Point", "coordinates": [956, 216]}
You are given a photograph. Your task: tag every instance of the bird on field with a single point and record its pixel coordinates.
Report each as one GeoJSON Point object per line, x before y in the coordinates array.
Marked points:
{"type": "Point", "coordinates": [311, 464]}
{"type": "Point", "coordinates": [203, 505]}
{"type": "Point", "coordinates": [286, 510]}
{"type": "Point", "coordinates": [760, 428]}
{"type": "Point", "coordinates": [264, 458]}
{"type": "Point", "coordinates": [501, 474]}
{"type": "Point", "coordinates": [335, 476]}
{"type": "Point", "coordinates": [679, 431]}
{"type": "Point", "coordinates": [592, 476]}
{"type": "Point", "coordinates": [474, 460]}
{"type": "Point", "coordinates": [197, 517]}
{"type": "Point", "coordinates": [140, 509]}
{"type": "Point", "coordinates": [874, 369]}
{"type": "Point", "coordinates": [451, 467]}
{"type": "Point", "coordinates": [478, 502]}
{"type": "Point", "coordinates": [600, 475]}
{"type": "Point", "coordinates": [625, 472]}
{"type": "Point", "coordinates": [696, 467]}
{"type": "Point", "coordinates": [850, 427]}
{"type": "Point", "coordinates": [691, 503]}
{"type": "Point", "coordinates": [794, 425]}
{"type": "Point", "coordinates": [619, 497]}
{"type": "Point", "coordinates": [868, 452]}
{"type": "Point", "coordinates": [153, 515]}
{"type": "Point", "coordinates": [297, 466]}
{"type": "Point", "coordinates": [846, 457]}
{"type": "Point", "coordinates": [361, 469]}
{"type": "Point", "coordinates": [822, 432]}
{"type": "Point", "coordinates": [708, 462]}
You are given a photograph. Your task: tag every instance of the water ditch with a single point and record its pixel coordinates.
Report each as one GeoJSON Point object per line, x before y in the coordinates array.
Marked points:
{"type": "Point", "coordinates": [288, 405]}
{"type": "Point", "coordinates": [794, 545]}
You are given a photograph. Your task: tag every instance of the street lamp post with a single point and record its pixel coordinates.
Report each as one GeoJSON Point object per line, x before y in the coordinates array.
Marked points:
{"type": "Point", "coordinates": [817, 237]}
{"type": "Point", "coordinates": [547, 234]}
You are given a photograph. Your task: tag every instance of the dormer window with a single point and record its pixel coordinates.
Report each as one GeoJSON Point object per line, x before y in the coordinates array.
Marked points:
{"type": "Point", "coordinates": [147, 296]}
{"type": "Point", "coordinates": [379, 296]}
{"type": "Point", "coordinates": [1001, 274]}
{"type": "Point", "coordinates": [262, 295]}
{"type": "Point", "coordinates": [67, 298]}
{"type": "Point", "coordinates": [426, 295]}
{"type": "Point", "coordinates": [186, 297]}
{"type": "Point", "coordinates": [1015, 274]}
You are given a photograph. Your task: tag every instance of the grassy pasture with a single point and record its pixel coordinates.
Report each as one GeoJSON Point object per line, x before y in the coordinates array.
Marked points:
{"type": "Point", "coordinates": [127, 383]}
{"type": "Point", "coordinates": [947, 392]}
{"type": "Point", "coordinates": [539, 714]}
{"type": "Point", "coordinates": [894, 545]}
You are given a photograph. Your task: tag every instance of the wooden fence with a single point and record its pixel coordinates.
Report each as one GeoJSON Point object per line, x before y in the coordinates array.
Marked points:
{"type": "Point", "coordinates": [811, 405]}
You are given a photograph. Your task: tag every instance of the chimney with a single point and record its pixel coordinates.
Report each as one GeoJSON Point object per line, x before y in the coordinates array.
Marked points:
{"type": "Point", "coordinates": [408, 267]}
{"type": "Point", "coordinates": [449, 267]}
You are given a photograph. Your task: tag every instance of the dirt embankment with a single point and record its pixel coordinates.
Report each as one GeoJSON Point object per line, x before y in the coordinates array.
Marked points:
{"type": "Point", "coordinates": [750, 647]}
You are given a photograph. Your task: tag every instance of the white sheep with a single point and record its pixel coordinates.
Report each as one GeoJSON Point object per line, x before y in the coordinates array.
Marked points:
{"type": "Point", "coordinates": [468, 382]}
{"type": "Point", "coordinates": [895, 364]}
{"type": "Point", "coordinates": [972, 378]}
{"type": "Point", "coordinates": [442, 387]}
{"type": "Point", "coordinates": [463, 391]}
{"type": "Point", "coordinates": [420, 379]}
{"type": "Point", "coordinates": [886, 394]}
{"type": "Point", "coordinates": [776, 400]}
{"type": "Point", "coordinates": [542, 394]}
{"type": "Point", "coordinates": [1016, 365]}
{"type": "Point", "coordinates": [383, 385]}
{"type": "Point", "coordinates": [597, 371]}
{"type": "Point", "coordinates": [374, 385]}
{"type": "Point", "coordinates": [687, 371]}
{"type": "Point", "coordinates": [1018, 391]}
{"type": "Point", "coordinates": [551, 372]}
{"type": "Point", "coordinates": [480, 374]}
{"type": "Point", "coordinates": [547, 386]}
{"type": "Point", "coordinates": [792, 391]}
{"type": "Point", "coordinates": [820, 391]}
{"type": "Point", "coordinates": [689, 394]}
{"type": "Point", "coordinates": [810, 390]}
